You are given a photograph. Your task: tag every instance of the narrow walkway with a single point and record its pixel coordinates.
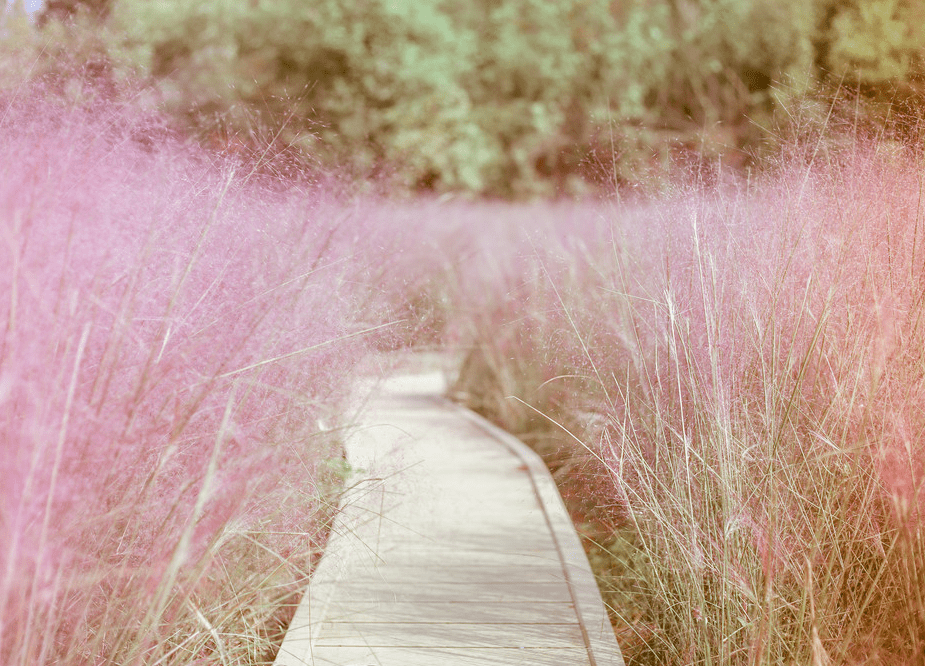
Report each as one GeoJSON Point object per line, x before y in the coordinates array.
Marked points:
{"type": "Point", "coordinates": [454, 549]}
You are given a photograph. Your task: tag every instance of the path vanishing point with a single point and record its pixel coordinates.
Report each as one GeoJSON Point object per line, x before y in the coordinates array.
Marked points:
{"type": "Point", "coordinates": [452, 548]}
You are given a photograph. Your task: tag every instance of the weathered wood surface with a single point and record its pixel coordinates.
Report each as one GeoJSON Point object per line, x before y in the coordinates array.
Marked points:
{"type": "Point", "coordinates": [453, 547]}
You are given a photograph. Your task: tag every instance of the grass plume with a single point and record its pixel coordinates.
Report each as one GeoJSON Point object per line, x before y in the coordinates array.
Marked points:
{"type": "Point", "coordinates": [171, 332]}
{"type": "Point", "coordinates": [744, 361]}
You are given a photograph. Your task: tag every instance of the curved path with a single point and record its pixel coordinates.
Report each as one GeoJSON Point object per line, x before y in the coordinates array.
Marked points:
{"type": "Point", "coordinates": [453, 548]}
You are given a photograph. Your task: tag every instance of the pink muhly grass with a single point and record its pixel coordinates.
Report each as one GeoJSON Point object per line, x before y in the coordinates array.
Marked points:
{"type": "Point", "coordinates": [773, 365]}
{"type": "Point", "coordinates": [170, 334]}
{"type": "Point", "coordinates": [746, 361]}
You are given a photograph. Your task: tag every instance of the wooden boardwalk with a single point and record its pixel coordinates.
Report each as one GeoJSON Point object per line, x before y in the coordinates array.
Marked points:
{"type": "Point", "coordinates": [453, 548]}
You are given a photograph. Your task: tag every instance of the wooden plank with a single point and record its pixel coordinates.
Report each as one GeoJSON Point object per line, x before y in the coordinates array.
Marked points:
{"type": "Point", "coordinates": [418, 656]}
{"type": "Point", "coordinates": [388, 590]}
{"type": "Point", "coordinates": [448, 635]}
{"type": "Point", "coordinates": [451, 548]}
{"type": "Point", "coordinates": [461, 612]}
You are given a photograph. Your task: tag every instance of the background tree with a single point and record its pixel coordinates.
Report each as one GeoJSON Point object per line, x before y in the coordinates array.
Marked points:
{"type": "Point", "coordinates": [505, 97]}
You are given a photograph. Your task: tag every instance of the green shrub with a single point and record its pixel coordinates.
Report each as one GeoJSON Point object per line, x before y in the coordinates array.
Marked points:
{"type": "Point", "coordinates": [508, 98]}
{"type": "Point", "coordinates": [877, 41]}
{"type": "Point", "coordinates": [370, 85]}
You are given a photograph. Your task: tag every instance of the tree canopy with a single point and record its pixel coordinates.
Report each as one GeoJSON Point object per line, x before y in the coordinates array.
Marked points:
{"type": "Point", "coordinates": [500, 97]}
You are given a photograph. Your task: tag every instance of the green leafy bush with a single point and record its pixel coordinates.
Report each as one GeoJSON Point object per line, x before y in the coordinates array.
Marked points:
{"type": "Point", "coordinates": [506, 98]}
{"type": "Point", "coordinates": [877, 41]}
{"type": "Point", "coordinates": [371, 85]}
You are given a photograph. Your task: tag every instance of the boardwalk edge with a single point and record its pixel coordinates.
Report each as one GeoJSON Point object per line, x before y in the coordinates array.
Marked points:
{"type": "Point", "coordinates": [603, 649]}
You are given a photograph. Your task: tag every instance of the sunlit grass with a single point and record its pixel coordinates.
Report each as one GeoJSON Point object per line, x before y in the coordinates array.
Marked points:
{"type": "Point", "coordinates": [744, 363]}
{"type": "Point", "coordinates": [727, 382]}
{"type": "Point", "coordinates": [173, 328]}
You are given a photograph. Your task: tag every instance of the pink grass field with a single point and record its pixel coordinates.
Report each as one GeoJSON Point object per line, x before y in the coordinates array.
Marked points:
{"type": "Point", "coordinates": [745, 362]}
{"type": "Point", "coordinates": [172, 329]}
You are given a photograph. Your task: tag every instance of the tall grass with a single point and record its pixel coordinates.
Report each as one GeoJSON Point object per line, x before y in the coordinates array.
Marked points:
{"type": "Point", "coordinates": [740, 366]}
{"type": "Point", "coordinates": [173, 331]}
{"type": "Point", "coordinates": [745, 363]}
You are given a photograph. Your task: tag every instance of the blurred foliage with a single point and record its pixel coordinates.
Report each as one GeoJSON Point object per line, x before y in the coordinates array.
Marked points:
{"type": "Point", "coordinates": [877, 41]}
{"type": "Point", "coordinates": [504, 98]}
